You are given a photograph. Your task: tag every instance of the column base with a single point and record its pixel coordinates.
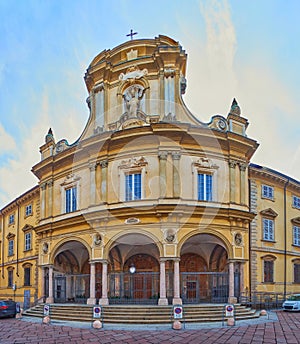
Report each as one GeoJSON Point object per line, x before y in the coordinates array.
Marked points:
{"type": "Point", "coordinates": [103, 302]}
{"type": "Point", "coordinates": [91, 301]}
{"type": "Point", "coordinates": [50, 300]}
{"type": "Point", "coordinates": [232, 299]}
{"type": "Point", "coordinates": [177, 301]}
{"type": "Point", "coordinates": [163, 302]}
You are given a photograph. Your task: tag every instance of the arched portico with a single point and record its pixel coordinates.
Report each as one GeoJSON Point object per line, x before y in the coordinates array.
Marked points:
{"type": "Point", "coordinates": [205, 274]}
{"type": "Point", "coordinates": [133, 269]}
{"type": "Point", "coordinates": [68, 278]}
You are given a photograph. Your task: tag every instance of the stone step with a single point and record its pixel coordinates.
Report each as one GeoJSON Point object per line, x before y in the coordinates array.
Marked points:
{"type": "Point", "coordinates": [140, 314]}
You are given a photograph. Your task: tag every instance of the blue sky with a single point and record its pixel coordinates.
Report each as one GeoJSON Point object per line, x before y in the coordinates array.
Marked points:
{"type": "Point", "coordinates": [244, 49]}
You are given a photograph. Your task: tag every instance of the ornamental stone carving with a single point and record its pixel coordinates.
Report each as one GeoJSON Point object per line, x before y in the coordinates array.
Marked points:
{"type": "Point", "coordinates": [133, 162]}
{"type": "Point", "coordinates": [238, 239]}
{"type": "Point", "coordinates": [205, 163]}
{"type": "Point", "coordinates": [97, 239]}
{"type": "Point", "coordinates": [170, 235]}
{"type": "Point", "coordinates": [133, 73]}
{"type": "Point", "coordinates": [45, 247]}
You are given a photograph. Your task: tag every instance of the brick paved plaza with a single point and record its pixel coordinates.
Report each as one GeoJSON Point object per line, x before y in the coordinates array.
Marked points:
{"type": "Point", "coordinates": [285, 330]}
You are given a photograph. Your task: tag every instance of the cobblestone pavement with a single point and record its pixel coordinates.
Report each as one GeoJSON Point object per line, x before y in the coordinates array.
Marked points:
{"type": "Point", "coordinates": [284, 330]}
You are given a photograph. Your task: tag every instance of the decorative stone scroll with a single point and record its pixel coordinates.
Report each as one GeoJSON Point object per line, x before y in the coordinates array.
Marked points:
{"type": "Point", "coordinates": [133, 73]}
{"type": "Point", "coordinates": [133, 162]}
{"type": "Point", "coordinates": [205, 163]}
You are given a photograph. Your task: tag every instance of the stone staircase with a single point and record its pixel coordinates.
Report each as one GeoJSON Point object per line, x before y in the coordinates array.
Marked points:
{"type": "Point", "coordinates": [137, 314]}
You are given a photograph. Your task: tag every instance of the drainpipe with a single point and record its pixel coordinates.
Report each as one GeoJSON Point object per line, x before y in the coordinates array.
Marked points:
{"type": "Point", "coordinates": [285, 244]}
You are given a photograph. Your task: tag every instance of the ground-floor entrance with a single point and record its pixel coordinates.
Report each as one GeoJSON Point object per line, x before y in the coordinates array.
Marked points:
{"type": "Point", "coordinates": [207, 287]}
{"type": "Point", "coordinates": [135, 273]}
{"type": "Point", "coordinates": [143, 288]}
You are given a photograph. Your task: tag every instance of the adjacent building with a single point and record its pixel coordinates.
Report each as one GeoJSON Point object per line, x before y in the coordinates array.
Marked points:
{"type": "Point", "coordinates": [150, 205]}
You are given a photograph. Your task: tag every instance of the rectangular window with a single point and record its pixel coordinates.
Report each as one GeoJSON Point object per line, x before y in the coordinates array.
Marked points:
{"type": "Point", "coordinates": [268, 229]}
{"type": "Point", "coordinates": [296, 273]}
{"type": "Point", "coordinates": [28, 210]}
{"type": "Point", "coordinates": [267, 191]}
{"type": "Point", "coordinates": [296, 202]}
{"type": "Point", "coordinates": [296, 235]}
{"type": "Point", "coordinates": [133, 186]}
{"type": "Point", "coordinates": [11, 219]}
{"type": "Point", "coordinates": [71, 199]}
{"type": "Point", "coordinates": [11, 247]}
{"type": "Point", "coordinates": [204, 187]}
{"type": "Point", "coordinates": [28, 241]}
{"type": "Point", "coordinates": [268, 271]}
{"type": "Point", "coordinates": [10, 277]}
{"type": "Point", "coordinates": [27, 276]}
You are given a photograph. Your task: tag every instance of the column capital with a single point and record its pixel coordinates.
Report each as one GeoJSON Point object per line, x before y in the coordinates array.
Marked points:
{"type": "Point", "coordinates": [232, 163]}
{"type": "Point", "coordinates": [92, 166]}
{"type": "Point", "coordinates": [163, 155]}
{"type": "Point", "coordinates": [176, 155]}
{"type": "Point", "coordinates": [103, 163]}
{"type": "Point", "coordinates": [49, 183]}
{"type": "Point", "coordinates": [175, 259]}
{"type": "Point", "coordinates": [163, 259]}
{"type": "Point", "coordinates": [43, 186]}
{"type": "Point", "coordinates": [243, 166]}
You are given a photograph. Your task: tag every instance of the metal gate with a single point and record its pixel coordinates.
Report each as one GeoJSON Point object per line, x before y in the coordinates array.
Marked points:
{"type": "Point", "coordinates": [70, 288]}
{"type": "Point", "coordinates": [197, 287]}
{"type": "Point", "coordinates": [60, 289]}
{"type": "Point", "coordinates": [133, 288]}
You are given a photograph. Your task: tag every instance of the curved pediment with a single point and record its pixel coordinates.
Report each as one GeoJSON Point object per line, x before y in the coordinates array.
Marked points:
{"type": "Point", "coordinates": [296, 220]}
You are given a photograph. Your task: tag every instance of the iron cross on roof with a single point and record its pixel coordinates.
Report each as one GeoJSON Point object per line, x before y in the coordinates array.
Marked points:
{"type": "Point", "coordinates": [131, 34]}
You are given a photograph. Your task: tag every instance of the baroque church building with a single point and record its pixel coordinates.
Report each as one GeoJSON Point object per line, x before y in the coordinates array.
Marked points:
{"type": "Point", "coordinates": [150, 205]}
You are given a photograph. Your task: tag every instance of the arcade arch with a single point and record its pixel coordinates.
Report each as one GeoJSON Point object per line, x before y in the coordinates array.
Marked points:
{"type": "Point", "coordinates": [204, 273]}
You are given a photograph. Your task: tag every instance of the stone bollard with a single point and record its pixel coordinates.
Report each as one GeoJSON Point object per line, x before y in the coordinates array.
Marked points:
{"type": "Point", "coordinates": [46, 320]}
{"type": "Point", "coordinates": [176, 325]}
{"type": "Point", "coordinates": [97, 324]}
{"type": "Point", "coordinates": [263, 312]}
{"type": "Point", "coordinates": [230, 321]}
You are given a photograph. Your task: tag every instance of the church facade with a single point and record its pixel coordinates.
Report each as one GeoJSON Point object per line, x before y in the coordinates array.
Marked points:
{"type": "Point", "coordinates": [150, 205]}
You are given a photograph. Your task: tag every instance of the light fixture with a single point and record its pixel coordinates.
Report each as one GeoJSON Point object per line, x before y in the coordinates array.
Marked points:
{"type": "Point", "coordinates": [132, 269]}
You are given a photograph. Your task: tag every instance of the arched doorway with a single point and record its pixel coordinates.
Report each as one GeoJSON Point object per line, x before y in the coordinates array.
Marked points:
{"type": "Point", "coordinates": [204, 270]}
{"type": "Point", "coordinates": [133, 270]}
{"type": "Point", "coordinates": [71, 273]}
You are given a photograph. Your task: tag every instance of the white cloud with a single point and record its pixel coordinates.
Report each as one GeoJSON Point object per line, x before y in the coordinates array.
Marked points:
{"type": "Point", "coordinates": [215, 76]}
{"type": "Point", "coordinates": [212, 82]}
{"type": "Point", "coordinates": [15, 175]}
{"type": "Point", "coordinates": [7, 142]}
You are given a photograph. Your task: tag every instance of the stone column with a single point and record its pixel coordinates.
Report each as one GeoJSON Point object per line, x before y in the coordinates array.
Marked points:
{"type": "Point", "coordinates": [176, 176]}
{"type": "Point", "coordinates": [43, 200]}
{"type": "Point", "coordinates": [242, 276]}
{"type": "Point", "coordinates": [50, 298]}
{"type": "Point", "coordinates": [162, 284]}
{"type": "Point", "coordinates": [243, 183]}
{"type": "Point", "coordinates": [104, 298]}
{"type": "Point", "coordinates": [92, 167]}
{"type": "Point", "coordinates": [231, 298]}
{"type": "Point", "coordinates": [162, 173]}
{"type": "Point", "coordinates": [104, 164]}
{"type": "Point", "coordinates": [92, 299]}
{"type": "Point", "coordinates": [232, 165]}
{"type": "Point", "coordinates": [50, 198]}
{"type": "Point", "coordinates": [176, 297]}
{"type": "Point", "coordinates": [41, 292]}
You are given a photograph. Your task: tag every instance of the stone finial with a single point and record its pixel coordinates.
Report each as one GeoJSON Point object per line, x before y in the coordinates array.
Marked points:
{"type": "Point", "coordinates": [49, 137]}
{"type": "Point", "coordinates": [235, 109]}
